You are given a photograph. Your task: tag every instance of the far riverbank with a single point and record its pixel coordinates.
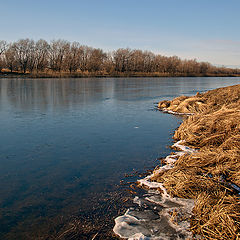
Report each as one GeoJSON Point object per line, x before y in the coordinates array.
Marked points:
{"type": "Point", "coordinates": [101, 74]}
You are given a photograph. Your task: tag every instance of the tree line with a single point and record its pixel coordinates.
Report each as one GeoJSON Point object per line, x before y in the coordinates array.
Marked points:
{"type": "Point", "coordinates": [29, 56]}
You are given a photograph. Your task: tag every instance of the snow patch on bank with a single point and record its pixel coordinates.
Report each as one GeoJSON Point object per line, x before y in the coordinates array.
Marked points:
{"type": "Point", "coordinates": [157, 215]}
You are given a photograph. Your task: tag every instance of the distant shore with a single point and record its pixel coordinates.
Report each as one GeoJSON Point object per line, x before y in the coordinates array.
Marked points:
{"type": "Point", "coordinates": [62, 59]}
{"type": "Point", "coordinates": [100, 75]}
{"type": "Point", "coordinates": [210, 175]}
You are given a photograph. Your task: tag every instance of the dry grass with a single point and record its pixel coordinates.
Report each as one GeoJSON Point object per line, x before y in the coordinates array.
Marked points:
{"type": "Point", "coordinates": [215, 129]}
{"type": "Point", "coordinates": [216, 216]}
{"type": "Point", "coordinates": [208, 102]}
{"type": "Point", "coordinates": [207, 175]}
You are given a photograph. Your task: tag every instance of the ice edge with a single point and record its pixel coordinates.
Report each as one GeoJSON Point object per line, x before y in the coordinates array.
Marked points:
{"type": "Point", "coordinates": [131, 227]}
{"type": "Point", "coordinates": [165, 110]}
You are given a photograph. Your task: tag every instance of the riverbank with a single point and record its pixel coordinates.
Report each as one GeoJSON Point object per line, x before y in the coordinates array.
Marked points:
{"type": "Point", "coordinates": [211, 175]}
{"type": "Point", "coordinates": [103, 74]}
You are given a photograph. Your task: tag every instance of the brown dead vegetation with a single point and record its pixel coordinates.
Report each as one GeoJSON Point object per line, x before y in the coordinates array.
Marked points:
{"type": "Point", "coordinates": [209, 174]}
{"type": "Point", "coordinates": [207, 102]}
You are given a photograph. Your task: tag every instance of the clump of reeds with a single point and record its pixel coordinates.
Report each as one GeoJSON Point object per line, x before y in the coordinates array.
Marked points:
{"type": "Point", "coordinates": [208, 102]}
{"type": "Point", "coordinates": [209, 174]}
{"type": "Point", "coordinates": [211, 129]}
{"type": "Point", "coordinates": [216, 216]}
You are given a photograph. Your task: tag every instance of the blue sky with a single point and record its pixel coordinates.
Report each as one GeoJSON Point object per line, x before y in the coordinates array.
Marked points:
{"type": "Point", "coordinates": [201, 29]}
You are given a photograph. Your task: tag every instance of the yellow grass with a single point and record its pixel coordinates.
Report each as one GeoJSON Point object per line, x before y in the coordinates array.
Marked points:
{"type": "Point", "coordinates": [207, 102]}
{"type": "Point", "coordinates": [214, 129]}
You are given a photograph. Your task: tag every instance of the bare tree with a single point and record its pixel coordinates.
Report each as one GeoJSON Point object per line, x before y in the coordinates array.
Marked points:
{"type": "Point", "coordinates": [96, 59]}
{"type": "Point", "coordinates": [204, 67]}
{"type": "Point", "coordinates": [24, 50]}
{"type": "Point", "coordinates": [72, 60]}
{"type": "Point", "coordinates": [57, 53]}
{"type": "Point", "coordinates": [3, 47]}
{"type": "Point", "coordinates": [121, 59]}
{"type": "Point", "coordinates": [148, 61]}
{"type": "Point", "coordinates": [84, 56]}
{"type": "Point", "coordinates": [41, 55]}
{"type": "Point", "coordinates": [136, 61]}
{"type": "Point", "coordinates": [108, 63]}
{"type": "Point", "coordinates": [11, 58]}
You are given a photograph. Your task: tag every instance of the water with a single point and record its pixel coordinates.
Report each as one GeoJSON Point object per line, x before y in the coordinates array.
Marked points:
{"type": "Point", "coordinates": [66, 144]}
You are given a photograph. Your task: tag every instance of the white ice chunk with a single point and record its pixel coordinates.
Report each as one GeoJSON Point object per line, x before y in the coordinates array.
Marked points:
{"type": "Point", "coordinates": [185, 149]}
{"type": "Point", "coordinates": [175, 113]}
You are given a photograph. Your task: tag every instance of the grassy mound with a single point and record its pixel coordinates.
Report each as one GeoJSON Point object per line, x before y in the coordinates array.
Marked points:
{"type": "Point", "coordinates": [207, 102]}
{"type": "Point", "coordinates": [210, 174]}
{"type": "Point", "coordinates": [219, 128]}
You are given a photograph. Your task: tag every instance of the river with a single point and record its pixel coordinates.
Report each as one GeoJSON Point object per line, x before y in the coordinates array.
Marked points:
{"type": "Point", "coordinates": [67, 145]}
